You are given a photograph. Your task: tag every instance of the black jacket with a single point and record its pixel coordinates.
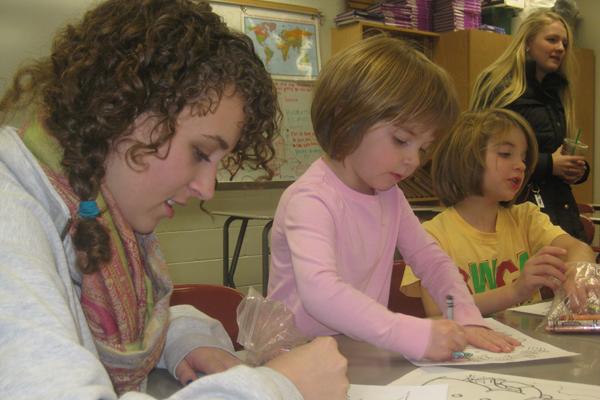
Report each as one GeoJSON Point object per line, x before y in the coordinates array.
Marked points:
{"type": "Point", "coordinates": [540, 105]}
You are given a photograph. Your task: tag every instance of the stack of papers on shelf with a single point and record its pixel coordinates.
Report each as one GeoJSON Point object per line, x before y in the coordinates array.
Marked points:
{"type": "Point", "coordinates": [503, 3]}
{"type": "Point", "coordinates": [450, 15]}
{"type": "Point", "coordinates": [359, 4]}
{"type": "Point", "coordinates": [413, 14]}
{"type": "Point", "coordinates": [357, 15]}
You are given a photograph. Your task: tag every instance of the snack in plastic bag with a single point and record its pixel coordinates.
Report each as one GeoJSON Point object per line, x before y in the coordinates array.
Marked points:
{"type": "Point", "coordinates": [266, 328]}
{"type": "Point", "coordinates": [576, 305]}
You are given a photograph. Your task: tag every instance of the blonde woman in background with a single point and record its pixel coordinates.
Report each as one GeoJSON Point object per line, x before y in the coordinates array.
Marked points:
{"type": "Point", "coordinates": [532, 78]}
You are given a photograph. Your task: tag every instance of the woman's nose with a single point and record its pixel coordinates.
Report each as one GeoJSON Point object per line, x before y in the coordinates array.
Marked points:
{"type": "Point", "coordinates": [204, 183]}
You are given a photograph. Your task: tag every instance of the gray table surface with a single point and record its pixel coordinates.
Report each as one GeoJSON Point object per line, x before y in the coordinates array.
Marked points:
{"type": "Point", "coordinates": [369, 365]}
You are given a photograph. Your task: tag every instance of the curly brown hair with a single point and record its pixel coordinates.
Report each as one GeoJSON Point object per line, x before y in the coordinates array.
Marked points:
{"type": "Point", "coordinates": [128, 57]}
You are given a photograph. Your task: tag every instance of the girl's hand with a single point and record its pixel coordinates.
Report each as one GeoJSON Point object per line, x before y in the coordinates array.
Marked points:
{"type": "Point", "coordinates": [446, 337]}
{"type": "Point", "coordinates": [579, 290]}
{"type": "Point", "coordinates": [545, 268]}
{"type": "Point", "coordinates": [206, 360]}
{"type": "Point", "coordinates": [569, 168]}
{"type": "Point", "coordinates": [487, 339]}
{"type": "Point", "coordinates": [317, 369]}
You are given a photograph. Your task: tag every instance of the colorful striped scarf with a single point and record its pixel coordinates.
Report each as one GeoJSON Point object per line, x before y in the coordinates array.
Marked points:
{"type": "Point", "coordinates": [126, 302]}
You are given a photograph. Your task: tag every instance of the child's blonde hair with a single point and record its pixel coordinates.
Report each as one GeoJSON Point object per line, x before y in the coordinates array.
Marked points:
{"type": "Point", "coordinates": [505, 80]}
{"type": "Point", "coordinates": [374, 80]}
{"type": "Point", "coordinates": [459, 160]}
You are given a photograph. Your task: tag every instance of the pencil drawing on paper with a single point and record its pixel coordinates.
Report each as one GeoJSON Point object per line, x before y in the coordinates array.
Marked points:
{"type": "Point", "coordinates": [490, 387]}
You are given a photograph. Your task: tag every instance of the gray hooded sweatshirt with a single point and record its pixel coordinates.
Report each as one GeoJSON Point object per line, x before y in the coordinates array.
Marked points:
{"type": "Point", "coordinates": [46, 347]}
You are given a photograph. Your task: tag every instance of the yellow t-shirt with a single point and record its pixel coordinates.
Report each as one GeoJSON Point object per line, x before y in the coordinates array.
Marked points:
{"type": "Point", "coordinates": [490, 260]}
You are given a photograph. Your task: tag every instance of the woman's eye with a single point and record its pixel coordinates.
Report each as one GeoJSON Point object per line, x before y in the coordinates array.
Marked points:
{"type": "Point", "coordinates": [504, 154]}
{"type": "Point", "coordinates": [399, 141]}
{"type": "Point", "coordinates": [200, 155]}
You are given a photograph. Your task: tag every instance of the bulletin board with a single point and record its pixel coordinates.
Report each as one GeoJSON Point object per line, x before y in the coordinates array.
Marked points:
{"type": "Point", "coordinates": [286, 37]}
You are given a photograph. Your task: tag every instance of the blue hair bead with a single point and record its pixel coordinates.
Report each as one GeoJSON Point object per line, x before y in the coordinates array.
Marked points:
{"type": "Point", "coordinates": [88, 209]}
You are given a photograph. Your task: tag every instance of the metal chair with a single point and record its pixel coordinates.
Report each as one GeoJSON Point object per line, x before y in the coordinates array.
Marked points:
{"type": "Point", "coordinates": [219, 302]}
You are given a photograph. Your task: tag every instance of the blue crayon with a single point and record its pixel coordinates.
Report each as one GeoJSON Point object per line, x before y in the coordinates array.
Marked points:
{"type": "Point", "coordinates": [459, 355]}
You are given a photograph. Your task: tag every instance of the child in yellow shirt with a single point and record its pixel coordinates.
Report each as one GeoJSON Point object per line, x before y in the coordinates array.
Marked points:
{"type": "Point", "coordinates": [505, 252]}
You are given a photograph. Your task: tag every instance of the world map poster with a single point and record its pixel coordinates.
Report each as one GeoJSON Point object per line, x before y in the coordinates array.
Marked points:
{"type": "Point", "coordinates": [288, 49]}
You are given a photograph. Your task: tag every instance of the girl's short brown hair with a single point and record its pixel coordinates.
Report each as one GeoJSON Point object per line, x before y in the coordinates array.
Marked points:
{"type": "Point", "coordinates": [459, 160]}
{"type": "Point", "coordinates": [378, 79]}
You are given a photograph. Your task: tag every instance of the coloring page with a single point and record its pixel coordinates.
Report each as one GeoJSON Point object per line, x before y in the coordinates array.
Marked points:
{"type": "Point", "coordinates": [373, 392]}
{"type": "Point", "coordinates": [530, 349]}
{"type": "Point", "coordinates": [542, 308]}
{"type": "Point", "coordinates": [479, 385]}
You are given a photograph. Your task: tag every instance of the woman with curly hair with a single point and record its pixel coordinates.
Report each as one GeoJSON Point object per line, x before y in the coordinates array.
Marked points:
{"type": "Point", "coordinates": [130, 114]}
{"type": "Point", "coordinates": [532, 78]}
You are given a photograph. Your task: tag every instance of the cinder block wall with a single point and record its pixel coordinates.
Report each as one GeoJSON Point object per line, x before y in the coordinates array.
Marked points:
{"type": "Point", "coordinates": [192, 241]}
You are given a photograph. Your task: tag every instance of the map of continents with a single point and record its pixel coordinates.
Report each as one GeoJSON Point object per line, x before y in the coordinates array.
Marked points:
{"type": "Point", "coordinates": [287, 48]}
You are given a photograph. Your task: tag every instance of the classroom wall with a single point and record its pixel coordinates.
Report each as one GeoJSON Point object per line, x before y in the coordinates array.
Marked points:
{"type": "Point", "coordinates": [27, 27]}
{"type": "Point", "coordinates": [587, 35]}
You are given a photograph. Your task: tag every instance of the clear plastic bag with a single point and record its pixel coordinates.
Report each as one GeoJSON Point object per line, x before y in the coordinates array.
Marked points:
{"type": "Point", "coordinates": [266, 328]}
{"type": "Point", "coordinates": [576, 305]}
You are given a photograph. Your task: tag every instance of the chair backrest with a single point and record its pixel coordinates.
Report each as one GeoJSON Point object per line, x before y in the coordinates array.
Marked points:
{"type": "Point", "coordinates": [219, 302]}
{"type": "Point", "coordinates": [399, 302]}
{"type": "Point", "coordinates": [588, 228]}
{"type": "Point", "coordinates": [586, 209]}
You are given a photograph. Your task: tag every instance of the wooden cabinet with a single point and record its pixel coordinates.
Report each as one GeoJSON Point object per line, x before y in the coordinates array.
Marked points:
{"type": "Point", "coordinates": [584, 95]}
{"type": "Point", "coordinates": [343, 36]}
{"type": "Point", "coordinates": [464, 54]}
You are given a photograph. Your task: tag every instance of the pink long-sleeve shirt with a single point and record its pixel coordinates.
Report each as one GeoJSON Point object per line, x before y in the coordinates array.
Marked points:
{"type": "Point", "coordinates": [332, 252]}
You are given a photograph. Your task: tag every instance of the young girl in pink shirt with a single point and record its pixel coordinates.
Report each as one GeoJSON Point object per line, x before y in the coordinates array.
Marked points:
{"type": "Point", "coordinates": [378, 108]}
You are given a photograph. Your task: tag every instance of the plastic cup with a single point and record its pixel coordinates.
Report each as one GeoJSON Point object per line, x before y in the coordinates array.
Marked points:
{"type": "Point", "coordinates": [574, 149]}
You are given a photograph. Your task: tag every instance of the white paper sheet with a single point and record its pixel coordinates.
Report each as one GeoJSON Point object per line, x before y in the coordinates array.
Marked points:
{"type": "Point", "coordinates": [537, 309]}
{"type": "Point", "coordinates": [530, 349]}
{"type": "Point", "coordinates": [396, 392]}
{"type": "Point", "coordinates": [477, 385]}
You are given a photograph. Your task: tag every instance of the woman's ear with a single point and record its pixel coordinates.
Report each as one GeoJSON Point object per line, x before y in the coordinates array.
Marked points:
{"type": "Point", "coordinates": [528, 45]}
